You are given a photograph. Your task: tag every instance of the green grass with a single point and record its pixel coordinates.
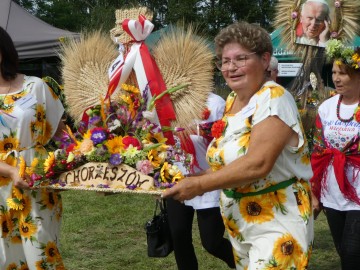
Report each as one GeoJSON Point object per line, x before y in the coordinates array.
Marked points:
{"type": "Point", "coordinates": [107, 233]}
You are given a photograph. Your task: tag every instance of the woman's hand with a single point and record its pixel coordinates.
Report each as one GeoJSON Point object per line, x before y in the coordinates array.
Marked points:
{"type": "Point", "coordinates": [18, 181]}
{"type": "Point", "coordinates": [316, 205]}
{"type": "Point", "coordinates": [186, 189]}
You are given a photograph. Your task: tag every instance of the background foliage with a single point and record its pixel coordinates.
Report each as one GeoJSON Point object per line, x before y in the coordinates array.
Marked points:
{"type": "Point", "coordinates": [210, 15]}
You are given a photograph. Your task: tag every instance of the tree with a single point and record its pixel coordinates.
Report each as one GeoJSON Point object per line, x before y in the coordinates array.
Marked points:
{"type": "Point", "coordinates": [210, 16]}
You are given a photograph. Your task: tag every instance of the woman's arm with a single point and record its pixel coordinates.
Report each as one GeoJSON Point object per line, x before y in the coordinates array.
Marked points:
{"type": "Point", "coordinates": [11, 172]}
{"type": "Point", "coordinates": [268, 139]}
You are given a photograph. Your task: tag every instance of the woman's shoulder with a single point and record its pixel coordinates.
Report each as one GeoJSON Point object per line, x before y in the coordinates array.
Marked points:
{"type": "Point", "coordinates": [329, 103]}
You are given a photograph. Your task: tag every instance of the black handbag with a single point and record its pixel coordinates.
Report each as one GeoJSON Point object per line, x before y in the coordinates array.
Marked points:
{"type": "Point", "coordinates": [158, 236]}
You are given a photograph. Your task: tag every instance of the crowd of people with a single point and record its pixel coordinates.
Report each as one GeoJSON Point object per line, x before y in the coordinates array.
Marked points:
{"type": "Point", "coordinates": [256, 177]}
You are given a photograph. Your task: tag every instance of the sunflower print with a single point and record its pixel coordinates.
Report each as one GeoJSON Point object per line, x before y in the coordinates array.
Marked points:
{"type": "Point", "coordinates": [7, 104]}
{"type": "Point", "coordinates": [51, 252]}
{"type": "Point", "coordinates": [232, 228]}
{"type": "Point", "coordinates": [41, 265]}
{"type": "Point", "coordinates": [12, 266]}
{"type": "Point", "coordinates": [27, 228]}
{"type": "Point", "coordinates": [23, 266]}
{"type": "Point", "coordinates": [9, 143]}
{"type": "Point", "coordinates": [215, 158]}
{"type": "Point", "coordinates": [287, 251]}
{"type": "Point", "coordinates": [6, 223]}
{"type": "Point", "coordinates": [256, 209]}
{"type": "Point", "coordinates": [278, 198]}
{"type": "Point", "coordinates": [46, 134]}
{"type": "Point", "coordinates": [302, 195]}
{"type": "Point", "coordinates": [305, 158]}
{"type": "Point", "coordinates": [276, 92]}
{"type": "Point", "coordinates": [244, 142]}
{"type": "Point", "coordinates": [229, 102]}
{"type": "Point", "coordinates": [49, 200]}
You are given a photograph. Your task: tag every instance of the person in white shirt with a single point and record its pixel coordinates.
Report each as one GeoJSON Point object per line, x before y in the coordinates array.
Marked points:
{"type": "Point", "coordinates": [336, 161]}
{"type": "Point", "coordinates": [210, 223]}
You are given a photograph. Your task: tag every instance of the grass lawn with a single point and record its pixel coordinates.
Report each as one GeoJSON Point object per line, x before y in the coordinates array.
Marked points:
{"type": "Point", "coordinates": [107, 233]}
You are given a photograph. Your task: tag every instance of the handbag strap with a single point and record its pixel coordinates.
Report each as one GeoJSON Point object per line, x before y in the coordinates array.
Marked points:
{"type": "Point", "coordinates": [160, 203]}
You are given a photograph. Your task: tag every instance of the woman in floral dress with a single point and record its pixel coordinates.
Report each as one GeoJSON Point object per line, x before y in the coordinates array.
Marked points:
{"type": "Point", "coordinates": [30, 114]}
{"type": "Point", "coordinates": [259, 158]}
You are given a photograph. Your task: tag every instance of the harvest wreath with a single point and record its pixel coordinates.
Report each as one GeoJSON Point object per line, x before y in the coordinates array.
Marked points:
{"type": "Point", "coordinates": [117, 149]}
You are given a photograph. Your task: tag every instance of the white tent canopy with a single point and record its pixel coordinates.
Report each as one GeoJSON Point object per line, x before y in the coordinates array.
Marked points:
{"type": "Point", "coordinates": [32, 37]}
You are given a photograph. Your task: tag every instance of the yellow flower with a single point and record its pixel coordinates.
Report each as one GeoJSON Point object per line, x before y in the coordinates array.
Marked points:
{"type": "Point", "coordinates": [26, 206]}
{"type": "Point", "coordinates": [27, 228]}
{"type": "Point", "coordinates": [286, 251]}
{"type": "Point", "coordinates": [256, 209]}
{"type": "Point", "coordinates": [303, 199]}
{"type": "Point", "coordinates": [7, 225]}
{"type": "Point", "coordinates": [22, 167]}
{"type": "Point", "coordinates": [305, 158]}
{"type": "Point", "coordinates": [12, 266]}
{"type": "Point", "coordinates": [130, 88]}
{"type": "Point", "coordinates": [151, 138]}
{"type": "Point", "coordinates": [276, 92]}
{"type": "Point", "coordinates": [45, 134]}
{"type": "Point", "coordinates": [15, 204]}
{"type": "Point", "coordinates": [115, 145]}
{"type": "Point", "coordinates": [164, 172]}
{"type": "Point", "coordinates": [41, 265]}
{"type": "Point", "coordinates": [8, 144]}
{"type": "Point", "coordinates": [49, 161]}
{"type": "Point", "coordinates": [231, 227]}
{"type": "Point", "coordinates": [49, 199]}
{"type": "Point", "coordinates": [24, 266]}
{"type": "Point", "coordinates": [155, 159]}
{"type": "Point", "coordinates": [244, 140]}
{"type": "Point", "coordinates": [51, 252]}
{"type": "Point", "coordinates": [131, 151]}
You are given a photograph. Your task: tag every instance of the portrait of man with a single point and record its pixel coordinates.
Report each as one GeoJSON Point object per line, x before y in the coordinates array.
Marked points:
{"type": "Point", "coordinates": [313, 28]}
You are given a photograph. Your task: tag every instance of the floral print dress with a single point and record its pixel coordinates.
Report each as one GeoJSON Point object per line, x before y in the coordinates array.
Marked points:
{"type": "Point", "coordinates": [29, 219]}
{"type": "Point", "coordinates": [272, 230]}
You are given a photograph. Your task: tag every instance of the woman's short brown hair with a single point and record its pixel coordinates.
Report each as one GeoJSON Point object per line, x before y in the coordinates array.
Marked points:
{"type": "Point", "coordinates": [249, 36]}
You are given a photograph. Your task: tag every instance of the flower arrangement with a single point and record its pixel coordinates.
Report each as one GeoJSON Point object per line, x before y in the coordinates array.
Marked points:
{"type": "Point", "coordinates": [335, 50]}
{"type": "Point", "coordinates": [116, 132]}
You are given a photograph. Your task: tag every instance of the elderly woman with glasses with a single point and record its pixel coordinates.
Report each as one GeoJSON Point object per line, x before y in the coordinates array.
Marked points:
{"type": "Point", "coordinates": [259, 158]}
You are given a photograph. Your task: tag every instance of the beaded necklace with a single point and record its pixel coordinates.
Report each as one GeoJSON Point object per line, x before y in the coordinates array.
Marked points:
{"type": "Point", "coordinates": [338, 112]}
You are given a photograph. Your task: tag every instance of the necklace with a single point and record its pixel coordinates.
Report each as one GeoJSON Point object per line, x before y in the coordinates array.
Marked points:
{"type": "Point", "coordinates": [338, 112]}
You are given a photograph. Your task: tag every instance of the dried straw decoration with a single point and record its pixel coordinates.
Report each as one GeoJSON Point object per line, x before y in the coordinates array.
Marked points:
{"type": "Point", "coordinates": [85, 65]}
{"type": "Point", "coordinates": [344, 25]}
{"type": "Point", "coordinates": [186, 58]}
{"type": "Point", "coordinates": [117, 33]}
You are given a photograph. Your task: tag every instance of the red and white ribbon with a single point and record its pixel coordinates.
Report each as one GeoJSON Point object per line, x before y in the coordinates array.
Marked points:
{"type": "Point", "coordinates": [146, 70]}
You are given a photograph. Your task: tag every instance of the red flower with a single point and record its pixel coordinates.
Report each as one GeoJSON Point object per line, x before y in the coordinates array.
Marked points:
{"type": "Point", "coordinates": [357, 114]}
{"type": "Point", "coordinates": [70, 148]}
{"type": "Point", "coordinates": [127, 140]}
{"type": "Point", "coordinates": [205, 114]}
{"type": "Point", "coordinates": [218, 128]}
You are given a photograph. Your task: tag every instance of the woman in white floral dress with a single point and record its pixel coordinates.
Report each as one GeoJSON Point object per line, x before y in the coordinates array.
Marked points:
{"type": "Point", "coordinates": [30, 114]}
{"type": "Point", "coordinates": [259, 158]}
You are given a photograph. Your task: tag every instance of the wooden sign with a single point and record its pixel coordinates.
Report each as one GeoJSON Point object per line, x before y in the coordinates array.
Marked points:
{"type": "Point", "coordinates": [104, 175]}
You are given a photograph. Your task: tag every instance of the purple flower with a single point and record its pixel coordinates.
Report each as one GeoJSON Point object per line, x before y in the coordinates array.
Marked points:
{"type": "Point", "coordinates": [98, 135]}
{"type": "Point", "coordinates": [94, 121]}
{"type": "Point", "coordinates": [131, 187]}
{"type": "Point", "coordinates": [157, 183]}
{"type": "Point", "coordinates": [294, 15]}
{"type": "Point", "coordinates": [334, 34]}
{"type": "Point", "coordinates": [82, 127]}
{"type": "Point", "coordinates": [115, 159]}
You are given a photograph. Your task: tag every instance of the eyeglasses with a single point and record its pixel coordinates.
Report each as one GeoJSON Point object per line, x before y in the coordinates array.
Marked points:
{"type": "Point", "coordinates": [238, 61]}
